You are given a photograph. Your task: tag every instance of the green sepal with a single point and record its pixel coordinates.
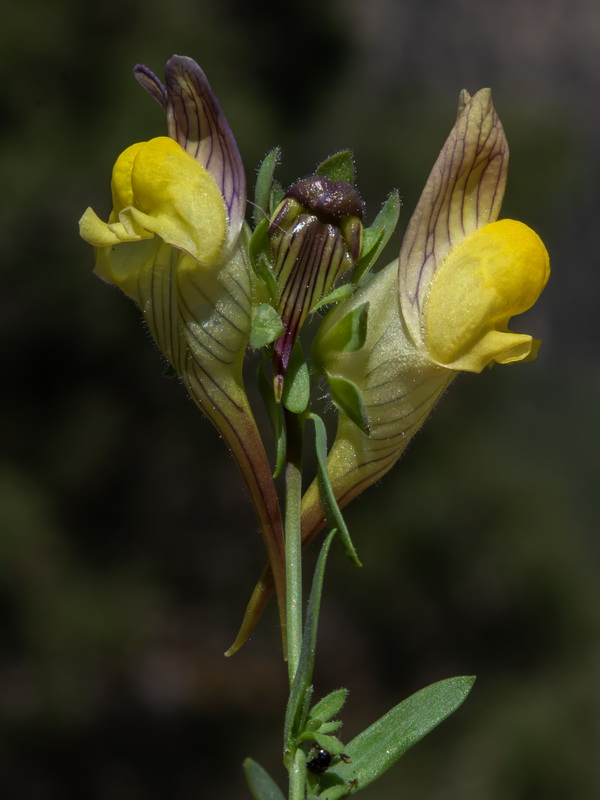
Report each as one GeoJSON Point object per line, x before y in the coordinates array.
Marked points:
{"type": "Point", "coordinates": [348, 399]}
{"type": "Point", "coordinates": [329, 705]}
{"type": "Point", "coordinates": [262, 786]}
{"type": "Point", "coordinates": [315, 728]}
{"type": "Point", "coordinates": [378, 747]}
{"type": "Point", "coordinates": [342, 292]}
{"type": "Point", "coordinates": [265, 387]}
{"type": "Point", "coordinates": [259, 251]}
{"type": "Point", "coordinates": [377, 236]}
{"type": "Point", "coordinates": [328, 727]}
{"type": "Point", "coordinates": [277, 194]}
{"type": "Point", "coordinates": [297, 711]}
{"type": "Point", "coordinates": [266, 326]}
{"type": "Point", "coordinates": [264, 183]}
{"type": "Point", "coordinates": [296, 384]}
{"type": "Point", "coordinates": [259, 243]}
{"type": "Point", "coordinates": [346, 336]}
{"type": "Point", "coordinates": [338, 167]}
{"type": "Point", "coordinates": [333, 515]}
{"type": "Point", "coordinates": [330, 743]}
{"type": "Point", "coordinates": [371, 238]}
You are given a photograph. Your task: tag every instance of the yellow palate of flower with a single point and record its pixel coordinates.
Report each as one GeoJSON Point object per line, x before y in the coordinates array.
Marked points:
{"type": "Point", "coordinates": [493, 274]}
{"type": "Point", "coordinates": [159, 189]}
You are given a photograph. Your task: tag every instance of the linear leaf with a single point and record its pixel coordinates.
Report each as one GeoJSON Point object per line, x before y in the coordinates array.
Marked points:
{"type": "Point", "coordinates": [378, 747]}
{"type": "Point", "coordinates": [332, 510]}
{"type": "Point", "coordinates": [302, 680]}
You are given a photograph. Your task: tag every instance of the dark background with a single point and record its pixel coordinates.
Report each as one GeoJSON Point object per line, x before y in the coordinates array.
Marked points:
{"type": "Point", "coordinates": [127, 546]}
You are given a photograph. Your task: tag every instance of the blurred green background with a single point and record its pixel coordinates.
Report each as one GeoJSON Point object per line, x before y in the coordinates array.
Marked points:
{"type": "Point", "coordinates": [127, 546]}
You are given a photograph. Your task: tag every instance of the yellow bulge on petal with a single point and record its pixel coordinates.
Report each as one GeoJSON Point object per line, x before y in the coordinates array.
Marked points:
{"type": "Point", "coordinates": [178, 199]}
{"type": "Point", "coordinates": [493, 274]}
{"type": "Point", "coordinates": [122, 190]}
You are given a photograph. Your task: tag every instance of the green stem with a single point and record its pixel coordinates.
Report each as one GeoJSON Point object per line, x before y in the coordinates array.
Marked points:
{"type": "Point", "coordinates": [293, 540]}
{"type": "Point", "coordinates": [298, 776]}
{"type": "Point", "coordinates": [296, 760]}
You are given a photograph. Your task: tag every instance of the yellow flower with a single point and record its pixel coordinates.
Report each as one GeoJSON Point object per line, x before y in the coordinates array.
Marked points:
{"type": "Point", "coordinates": [176, 243]}
{"type": "Point", "coordinates": [187, 189]}
{"type": "Point", "coordinates": [441, 308]}
{"type": "Point", "coordinates": [158, 189]}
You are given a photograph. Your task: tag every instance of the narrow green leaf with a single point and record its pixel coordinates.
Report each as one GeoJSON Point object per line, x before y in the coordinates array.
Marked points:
{"type": "Point", "coordinates": [264, 182]}
{"type": "Point", "coordinates": [265, 387]}
{"type": "Point", "coordinates": [296, 384]}
{"type": "Point", "coordinates": [385, 222]}
{"type": "Point", "coordinates": [333, 515]}
{"type": "Point", "coordinates": [338, 167]}
{"type": "Point", "coordinates": [340, 293]}
{"type": "Point", "coordinates": [329, 705]}
{"type": "Point", "coordinates": [295, 710]}
{"type": "Point", "coordinates": [348, 399]}
{"type": "Point", "coordinates": [266, 326]}
{"type": "Point", "coordinates": [262, 786]}
{"type": "Point", "coordinates": [378, 747]}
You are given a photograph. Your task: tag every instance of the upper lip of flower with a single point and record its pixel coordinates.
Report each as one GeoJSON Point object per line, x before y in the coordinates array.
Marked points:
{"type": "Point", "coordinates": [489, 270]}
{"type": "Point", "coordinates": [188, 188]}
{"type": "Point", "coordinates": [464, 192]}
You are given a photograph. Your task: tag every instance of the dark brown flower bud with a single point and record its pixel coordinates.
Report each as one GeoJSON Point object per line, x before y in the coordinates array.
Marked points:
{"type": "Point", "coordinates": [316, 236]}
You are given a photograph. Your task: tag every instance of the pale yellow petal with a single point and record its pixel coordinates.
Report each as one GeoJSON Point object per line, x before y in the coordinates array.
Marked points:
{"type": "Point", "coordinates": [105, 234]}
{"type": "Point", "coordinates": [95, 231]}
{"type": "Point", "coordinates": [127, 265]}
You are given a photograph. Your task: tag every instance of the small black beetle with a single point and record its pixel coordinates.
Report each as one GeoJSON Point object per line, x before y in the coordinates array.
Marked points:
{"type": "Point", "coordinates": [321, 761]}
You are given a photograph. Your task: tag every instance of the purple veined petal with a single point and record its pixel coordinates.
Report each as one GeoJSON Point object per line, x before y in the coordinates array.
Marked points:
{"type": "Point", "coordinates": [148, 80]}
{"type": "Point", "coordinates": [463, 193]}
{"type": "Point", "coordinates": [196, 121]}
